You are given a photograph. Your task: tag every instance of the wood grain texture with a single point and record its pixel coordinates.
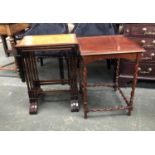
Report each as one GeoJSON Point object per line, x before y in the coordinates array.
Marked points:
{"type": "Point", "coordinates": [10, 29]}
{"type": "Point", "coordinates": [112, 44]}
{"type": "Point", "coordinates": [47, 40]}
{"type": "Point", "coordinates": [26, 49]}
{"type": "Point", "coordinates": [108, 47]}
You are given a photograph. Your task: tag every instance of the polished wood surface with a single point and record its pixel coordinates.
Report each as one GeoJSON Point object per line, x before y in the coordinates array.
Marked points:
{"type": "Point", "coordinates": [26, 49]}
{"type": "Point", "coordinates": [102, 45]}
{"type": "Point", "coordinates": [47, 40]}
{"type": "Point", "coordinates": [10, 29]}
{"type": "Point", "coordinates": [108, 47]}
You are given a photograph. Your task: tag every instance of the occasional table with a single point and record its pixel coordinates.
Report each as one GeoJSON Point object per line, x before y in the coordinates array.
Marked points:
{"type": "Point", "coordinates": [26, 48]}
{"type": "Point", "coordinates": [108, 47]}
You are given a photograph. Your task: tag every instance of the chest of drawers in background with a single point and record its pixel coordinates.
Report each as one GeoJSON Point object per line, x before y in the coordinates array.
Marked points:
{"type": "Point", "coordinates": [144, 35]}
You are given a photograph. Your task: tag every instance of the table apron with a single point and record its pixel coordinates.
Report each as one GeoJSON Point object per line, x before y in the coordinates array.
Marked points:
{"type": "Point", "coordinates": [47, 48]}
{"type": "Point", "coordinates": [129, 56]}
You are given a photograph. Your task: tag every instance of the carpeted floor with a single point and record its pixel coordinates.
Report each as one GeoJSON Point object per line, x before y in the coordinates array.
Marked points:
{"type": "Point", "coordinates": [54, 111]}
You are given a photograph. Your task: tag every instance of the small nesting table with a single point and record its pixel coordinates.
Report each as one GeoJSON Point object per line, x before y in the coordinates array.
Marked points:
{"type": "Point", "coordinates": [26, 48]}
{"type": "Point", "coordinates": [108, 47]}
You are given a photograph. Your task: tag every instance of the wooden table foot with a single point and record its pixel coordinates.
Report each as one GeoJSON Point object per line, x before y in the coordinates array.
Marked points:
{"type": "Point", "coordinates": [33, 109]}
{"type": "Point", "coordinates": [75, 106]}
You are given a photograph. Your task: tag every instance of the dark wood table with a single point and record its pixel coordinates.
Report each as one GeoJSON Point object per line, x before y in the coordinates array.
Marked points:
{"type": "Point", "coordinates": [108, 47]}
{"type": "Point", "coordinates": [10, 29]}
{"type": "Point", "coordinates": [26, 48]}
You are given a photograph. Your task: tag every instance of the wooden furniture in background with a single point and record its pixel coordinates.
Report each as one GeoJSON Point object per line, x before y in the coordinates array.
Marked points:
{"type": "Point", "coordinates": [26, 48]}
{"type": "Point", "coordinates": [10, 30]}
{"type": "Point", "coordinates": [108, 47]}
{"type": "Point", "coordinates": [144, 35]}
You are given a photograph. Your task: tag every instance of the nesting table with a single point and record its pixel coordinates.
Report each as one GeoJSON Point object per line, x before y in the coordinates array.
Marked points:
{"type": "Point", "coordinates": [26, 49]}
{"type": "Point", "coordinates": [108, 47]}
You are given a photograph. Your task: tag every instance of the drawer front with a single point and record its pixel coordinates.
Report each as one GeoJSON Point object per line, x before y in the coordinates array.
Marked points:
{"type": "Point", "coordinates": [148, 55]}
{"type": "Point", "coordinates": [147, 43]}
{"type": "Point", "coordinates": [144, 69]}
{"type": "Point", "coordinates": [147, 30]}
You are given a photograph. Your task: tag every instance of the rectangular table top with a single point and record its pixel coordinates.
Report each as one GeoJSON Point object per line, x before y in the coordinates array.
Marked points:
{"type": "Point", "coordinates": [110, 44]}
{"type": "Point", "coordinates": [47, 40]}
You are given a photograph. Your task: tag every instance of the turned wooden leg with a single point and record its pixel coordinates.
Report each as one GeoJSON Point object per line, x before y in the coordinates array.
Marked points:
{"type": "Point", "coordinates": [80, 77]}
{"type": "Point", "coordinates": [72, 64]}
{"type": "Point", "coordinates": [85, 97]}
{"type": "Point", "coordinates": [117, 75]}
{"type": "Point", "coordinates": [133, 85]}
{"type": "Point", "coordinates": [31, 76]}
{"type": "Point", "coordinates": [67, 63]}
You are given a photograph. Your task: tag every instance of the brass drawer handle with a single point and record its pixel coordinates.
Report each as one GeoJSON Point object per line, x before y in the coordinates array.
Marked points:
{"type": "Point", "coordinates": [143, 41]}
{"type": "Point", "coordinates": [152, 45]}
{"type": "Point", "coordinates": [149, 33]}
{"type": "Point", "coordinates": [148, 58]}
{"type": "Point", "coordinates": [144, 29]}
{"type": "Point", "coordinates": [145, 72]}
{"type": "Point", "coordinates": [127, 30]}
